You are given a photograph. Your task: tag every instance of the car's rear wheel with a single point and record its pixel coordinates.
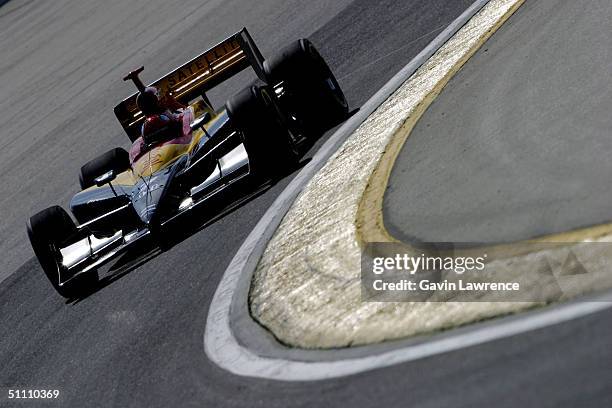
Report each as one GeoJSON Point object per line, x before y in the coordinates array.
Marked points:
{"type": "Point", "coordinates": [267, 138]}
{"type": "Point", "coordinates": [316, 93]}
{"type": "Point", "coordinates": [48, 230]}
{"type": "Point", "coordinates": [117, 160]}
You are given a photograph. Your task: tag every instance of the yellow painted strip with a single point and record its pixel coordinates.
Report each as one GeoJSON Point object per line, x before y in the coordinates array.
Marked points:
{"type": "Point", "coordinates": [370, 223]}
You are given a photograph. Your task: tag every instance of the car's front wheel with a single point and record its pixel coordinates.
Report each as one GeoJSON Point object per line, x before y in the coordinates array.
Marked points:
{"type": "Point", "coordinates": [48, 230]}
{"type": "Point", "coordinates": [117, 160]}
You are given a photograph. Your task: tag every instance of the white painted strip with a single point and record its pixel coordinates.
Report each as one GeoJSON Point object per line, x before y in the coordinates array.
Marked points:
{"type": "Point", "coordinates": [240, 361]}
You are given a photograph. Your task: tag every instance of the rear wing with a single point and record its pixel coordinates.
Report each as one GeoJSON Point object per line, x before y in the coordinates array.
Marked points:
{"type": "Point", "coordinates": [197, 76]}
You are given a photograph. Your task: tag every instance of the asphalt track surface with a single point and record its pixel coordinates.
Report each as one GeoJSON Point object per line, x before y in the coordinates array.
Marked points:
{"type": "Point", "coordinates": [138, 340]}
{"type": "Point", "coordinates": [518, 144]}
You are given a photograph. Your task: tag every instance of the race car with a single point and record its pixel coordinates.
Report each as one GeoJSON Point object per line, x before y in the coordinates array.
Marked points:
{"type": "Point", "coordinates": [202, 153]}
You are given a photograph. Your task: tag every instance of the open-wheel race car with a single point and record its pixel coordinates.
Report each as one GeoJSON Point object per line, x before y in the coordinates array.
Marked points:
{"type": "Point", "coordinates": [185, 152]}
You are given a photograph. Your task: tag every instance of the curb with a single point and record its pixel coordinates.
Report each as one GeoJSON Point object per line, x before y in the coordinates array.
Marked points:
{"type": "Point", "coordinates": [306, 288]}
{"type": "Point", "coordinates": [229, 312]}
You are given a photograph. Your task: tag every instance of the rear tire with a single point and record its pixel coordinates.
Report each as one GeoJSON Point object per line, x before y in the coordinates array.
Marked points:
{"type": "Point", "coordinates": [267, 138]}
{"type": "Point", "coordinates": [116, 159]}
{"type": "Point", "coordinates": [47, 230]}
{"type": "Point", "coordinates": [317, 95]}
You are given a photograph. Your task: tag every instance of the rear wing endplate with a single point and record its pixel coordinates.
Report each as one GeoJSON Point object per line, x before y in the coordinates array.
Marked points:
{"type": "Point", "coordinates": [197, 76]}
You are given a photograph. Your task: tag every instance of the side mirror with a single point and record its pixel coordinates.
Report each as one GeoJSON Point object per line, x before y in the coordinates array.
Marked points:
{"type": "Point", "coordinates": [105, 178]}
{"type": "Point", "coordinates": [201, 121]}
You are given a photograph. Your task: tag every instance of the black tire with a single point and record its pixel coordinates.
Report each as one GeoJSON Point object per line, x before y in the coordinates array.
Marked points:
{"type": "Point", "coordinates": [47, 230]}
{"type": "Point", "coordinates": [318, 96]}
{"type": "Point", "coordinates": [116, 159]}
{"type": "Point", "coordinates": [267, 138]}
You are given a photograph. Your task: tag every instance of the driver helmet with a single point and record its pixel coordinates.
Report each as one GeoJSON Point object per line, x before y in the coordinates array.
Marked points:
{"type": "Point", "coordinates": [148, 101]}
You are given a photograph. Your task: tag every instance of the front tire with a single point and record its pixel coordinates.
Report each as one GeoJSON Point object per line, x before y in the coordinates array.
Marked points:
{"type": "Point", "coordinates": [47, 230]}
{"type": "Point", "coordinates": [117, 160]}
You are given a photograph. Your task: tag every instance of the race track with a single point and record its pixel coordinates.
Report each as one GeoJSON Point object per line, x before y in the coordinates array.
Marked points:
{"type": "Point", "coordinates": [138, 340]}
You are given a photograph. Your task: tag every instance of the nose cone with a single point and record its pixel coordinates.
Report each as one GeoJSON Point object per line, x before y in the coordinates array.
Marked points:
{"type": "Point", "coordinates": [146, 205]}
{"type": "Point", "coordinates": [146, 213]}
{"type": "Point", "coordinates": [147, 195]}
